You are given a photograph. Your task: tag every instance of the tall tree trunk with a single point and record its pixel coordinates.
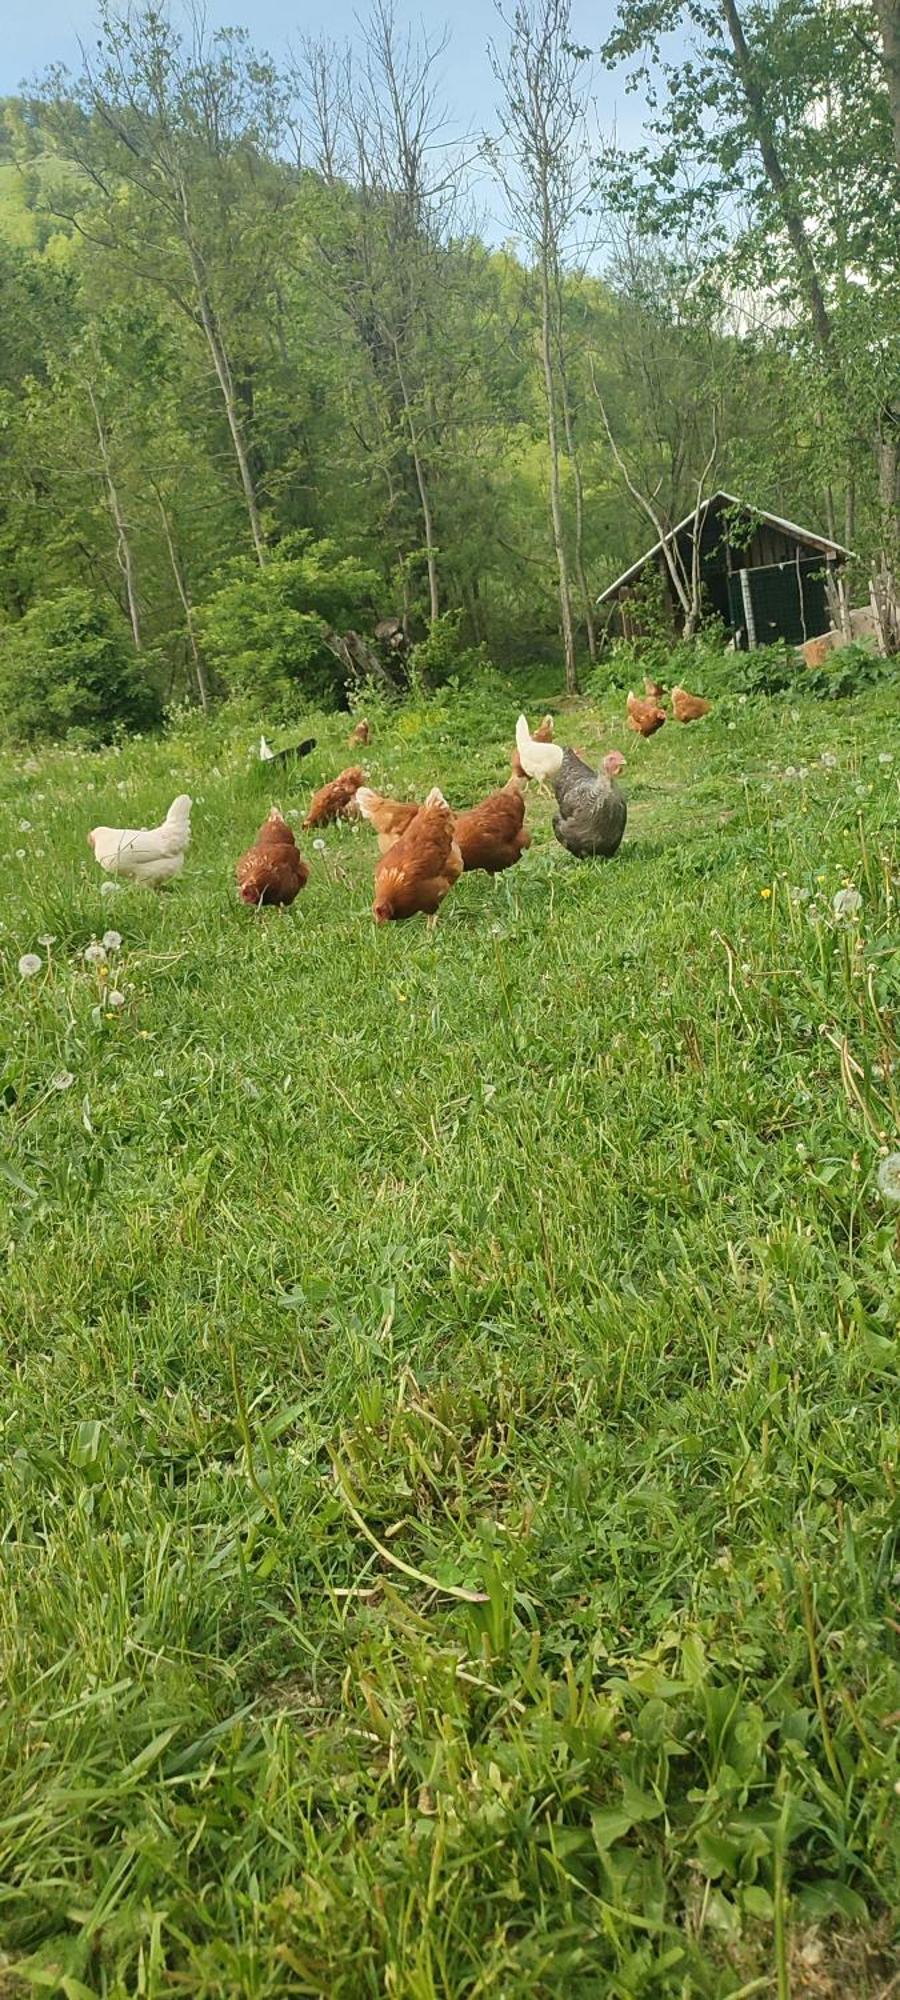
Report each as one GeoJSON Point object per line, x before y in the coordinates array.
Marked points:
{"type": "Point", "coordinates": [888, 12]}
{"type": "Point", "coordinates": [424, 496]}
{"type": "Point", "coordinates": [225, 379]}
{"type": "Point", "coordinates": [187, 607]}
{"type": "Point", "coordinates": [795, 228]}
{"type": "Point", "coordinates": [565, 602]}
{"type": "Point", "coordinates": [574, 458]}
{"type": "Point", "coordinates": [887, 577]}
{"type": "Point", "coordinates": [123, 545]}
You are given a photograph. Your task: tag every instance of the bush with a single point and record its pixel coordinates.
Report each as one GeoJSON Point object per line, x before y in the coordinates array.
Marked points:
{"type": "Point", "coordinates": [263, 629]}
{"type": "Point", "coordinates": [846, 672]}
{"type": "Point", "coordinates": [440, 658]}
{"type": "Point", "coordinates": [67, 670]}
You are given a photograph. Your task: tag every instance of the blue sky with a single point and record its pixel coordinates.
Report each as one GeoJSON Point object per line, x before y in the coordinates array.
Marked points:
{"type": "Point", "coordinates": [48, 31]}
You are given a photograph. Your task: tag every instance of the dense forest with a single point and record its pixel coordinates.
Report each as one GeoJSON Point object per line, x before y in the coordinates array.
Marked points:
{"type": "Point", "coordinates": [267, 382]}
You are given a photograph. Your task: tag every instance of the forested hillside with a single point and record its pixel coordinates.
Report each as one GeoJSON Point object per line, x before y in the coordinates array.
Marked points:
{"type": "Point", "coordinates": [265, 374]}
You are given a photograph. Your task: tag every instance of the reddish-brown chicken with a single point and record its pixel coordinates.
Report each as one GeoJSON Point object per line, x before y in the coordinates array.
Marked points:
{"type": "Point", "coordinates": [688, 707]}
{"type": "Point", "coordinates": [421, 868]}
{"type": "Point", "coordinates": [390, 817]}
{"type": "Point", "coordinates": [645, 717]}
{"type": "Point", "coordinates": [492, 834]}
{"type": "Point", "coordinates": [332, 801]}
{"type": "Point", "coordinates": [361, 734]}
{"type": "Point", "coordinates": [272, 871]}
{"type": "Point", "coordinates": [544, 730]}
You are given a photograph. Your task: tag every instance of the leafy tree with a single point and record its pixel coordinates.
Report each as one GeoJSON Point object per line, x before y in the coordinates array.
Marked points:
{"type": "Point", "coordinates": [272, 634]}
{"type": "Point", "coordinates": [67, 670]}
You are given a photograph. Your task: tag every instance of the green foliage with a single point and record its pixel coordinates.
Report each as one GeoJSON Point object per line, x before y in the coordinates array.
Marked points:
{"type": "Point", "coordinates": [263, 629]}
{"type": "Point", "coordinates": [442, 656]}
{"type": "Point", "coordinates": [66, 670]}
{"type": "Point", "coordinates": [848, 671]}
{"type": "Point", "coordinates": [549, 1250]}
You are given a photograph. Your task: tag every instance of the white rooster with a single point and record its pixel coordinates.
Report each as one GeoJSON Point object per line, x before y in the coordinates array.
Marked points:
{"type": "Point", "coordinates": [151, 855]}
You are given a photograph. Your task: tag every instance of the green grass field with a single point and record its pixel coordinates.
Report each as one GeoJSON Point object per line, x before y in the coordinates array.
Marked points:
{"type": "Point", "coordinates": [450, 1384]}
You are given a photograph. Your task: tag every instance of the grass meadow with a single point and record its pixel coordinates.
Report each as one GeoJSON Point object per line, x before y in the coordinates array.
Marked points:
{"type": "Point", "coordinates": [449, 1382]}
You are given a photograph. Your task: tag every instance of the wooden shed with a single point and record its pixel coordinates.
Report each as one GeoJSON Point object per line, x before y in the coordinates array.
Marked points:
{"type": "Point", "coordinates": [764, 577]}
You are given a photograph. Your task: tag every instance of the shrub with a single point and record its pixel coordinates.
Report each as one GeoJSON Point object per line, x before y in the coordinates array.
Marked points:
{"type": "Point", "coordinates": [67, 670]}
{"type": "Point", "coordinates": [846, 672]}
{"type": "Point", "coordinates": [263, 629]}
{"type": "Point", "coordinates": [440, 658]}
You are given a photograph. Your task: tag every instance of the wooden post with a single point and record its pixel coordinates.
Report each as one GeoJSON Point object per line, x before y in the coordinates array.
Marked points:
{"type": "Point", "coordinates": [747, 601]}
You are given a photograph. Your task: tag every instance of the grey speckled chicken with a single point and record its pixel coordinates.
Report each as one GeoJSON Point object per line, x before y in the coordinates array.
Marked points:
{"type": "Point", "coordinates": [592, 810]}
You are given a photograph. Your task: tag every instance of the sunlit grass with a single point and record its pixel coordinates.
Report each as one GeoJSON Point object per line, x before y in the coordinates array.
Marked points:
{"type": "Point", "coordinates": [544, 1257]}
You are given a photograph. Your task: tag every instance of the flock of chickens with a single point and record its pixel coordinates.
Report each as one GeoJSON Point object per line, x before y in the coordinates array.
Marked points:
{"type": "Point", "coordinates": [423, 848]}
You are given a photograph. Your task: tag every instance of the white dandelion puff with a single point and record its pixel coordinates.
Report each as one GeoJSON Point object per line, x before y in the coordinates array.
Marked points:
{"type": "Point", "coordinates": [110, 888]}
{"type": "Point", "coordinates": [24, 826]}
{"type": "Point", "coordinates": [46, 939]}
{"type": "Point", "coordinates": [20, 853]}
{"type": "Point", "coordinates": [889, 1177]}
{"type": "Point", "coordinates": [112, 940]}
{"type": "Point", "coordinates": [885, 757]}
{"type": "Point", "coordinates": [319, 846]}
{"type": "Point", "coordinates": [115, 998]}
{"type": "Point", "coordinates": [828, 760]}
{"type": "Point", "coordinates": [847, 903]}
{"type": "Point", "coordinates": [29, 964]}
{"type": "Point", "coordinates": [95, 954]}
{"type": "Point", "coordinates": [63, 1080]}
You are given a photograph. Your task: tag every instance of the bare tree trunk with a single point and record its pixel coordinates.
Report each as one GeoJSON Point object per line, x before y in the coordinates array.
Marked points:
{"type": "Point", "coordinates": [577, 484]}
{"type": "Point", "coordinates": [565, 602]}
{"type": "Point", "coordinates": [850, 512]}
{"type": "Point", "coordinates": [225, 380]}
{"type": "Point", "coordinates": [886, 594]}
{"type": "Point", "coordinates": [888, 12]}
{"type": "Point", "coordinates": [181, 587]}
{"type": "Point", "coordinates": [123, 546]}
{"type": "Point", "coordinates": [795, 228]}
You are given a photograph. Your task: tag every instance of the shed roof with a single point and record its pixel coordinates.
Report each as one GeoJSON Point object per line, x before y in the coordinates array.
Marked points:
{"type": "Point", "coordinates": [813, 541]}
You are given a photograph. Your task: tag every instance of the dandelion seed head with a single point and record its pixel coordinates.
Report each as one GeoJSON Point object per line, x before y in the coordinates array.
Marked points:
{"type": "Point", "coordinates": [846, 903]}
{"type": "Point", "coordinates": [115, 998]}
{"type": "Point", "coordinates": [108, 888]}
{"type": "Point", "coordinates": [319, 846]}
{"type": "Point", "coordinates": [29, 964]}
{"type": "Point", "coordinates": [24, 826]}
{"type": "Point", "coordinates": [889, 1177]}
{"type": "Point", "coordinates": [63, 1080]}
{"type": "Point", "coordinates": [95, 954]}
{"type": "Point", "coordinates": [112, 940]}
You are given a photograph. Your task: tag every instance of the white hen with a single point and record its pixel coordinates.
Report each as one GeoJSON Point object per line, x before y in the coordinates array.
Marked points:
{"type": "Point", "coordinates": [151, 855]}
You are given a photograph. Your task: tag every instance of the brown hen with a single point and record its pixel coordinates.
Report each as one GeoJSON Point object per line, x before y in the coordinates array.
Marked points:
{"type": "Point", "coordinates": [492, 834]}
{"type": "Point", "coordinates": [333, 800]}
{"type": "Point", "coordinates": [421, 868]}
{"type": "Point", "coordinates": [272, 871]}
{"type": "Point", "coordinates": [645, 717]}
{"type": "Point", "coordinates": [688, 707]}
{"type": "Point", "coordinates": [390, 817]}
{"type": "Point", "coordinates": [361, 734]}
